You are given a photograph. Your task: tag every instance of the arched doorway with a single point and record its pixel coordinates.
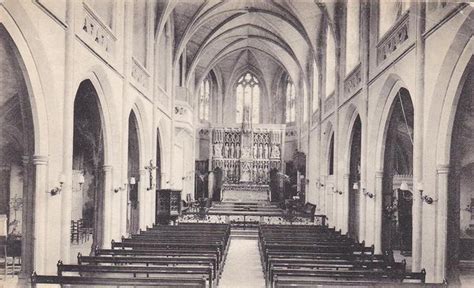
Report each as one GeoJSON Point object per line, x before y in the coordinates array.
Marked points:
{"type": "Point", "coordinates": [88, 170]}
{"type": "Point", "coordinates": [17, 137]}
{"type": "Point", "coordinates": [460, 191]}
{"type": "Point", "coordinates": [355, 145]}
{"type": "Point", "coordinates": [133, 173]}
{"type": "Point", "coordinates": [397, 199]}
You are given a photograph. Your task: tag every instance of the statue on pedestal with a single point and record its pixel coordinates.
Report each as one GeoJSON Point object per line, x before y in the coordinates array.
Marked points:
{"type": "Point", "coordinates": [237, 150]}
{"type": "Point", "coordinates": [217, 150]}
{"type": "Point", "coordinates": [232, 151]}
{"type": "Point", "coordinates": [265, 151]}
{"type": "Point", "coordinates": [226, 150]}
{"type": "Point", "coordinates": [275, 152]}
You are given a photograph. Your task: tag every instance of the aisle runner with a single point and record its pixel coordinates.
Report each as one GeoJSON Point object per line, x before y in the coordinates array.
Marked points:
{"type": "Point", "coordinates": [243, 268]}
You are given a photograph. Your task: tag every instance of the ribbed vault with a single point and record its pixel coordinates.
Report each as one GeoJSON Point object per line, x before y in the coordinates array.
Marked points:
{"type": "Point", "coordinates": [210, 34]}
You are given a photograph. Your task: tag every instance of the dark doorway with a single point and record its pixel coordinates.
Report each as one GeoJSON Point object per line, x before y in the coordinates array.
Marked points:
{"type": "Point", "coordinates": [133, 221]}
{"type": "Point", "coordinates": [460, 249]}
{"type": "Point", "coordinates": [17, 170]}
{"type": "Point", "coordinates": [398, 161]}
{"type": "Point", "coordinates": [354, 178]}
{"type": "Point", "coordinates": [88, 160]}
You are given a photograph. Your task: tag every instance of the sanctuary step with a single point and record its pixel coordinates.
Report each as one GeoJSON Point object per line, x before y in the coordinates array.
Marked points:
{"type": "Point", "coordinates": [249, 208]}
{"type": "Point", "coordinates": [247, 233]}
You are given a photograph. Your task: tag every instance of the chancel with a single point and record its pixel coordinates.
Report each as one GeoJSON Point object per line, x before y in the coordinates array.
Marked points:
{"type": "Point", "coordinates": [243, 143]}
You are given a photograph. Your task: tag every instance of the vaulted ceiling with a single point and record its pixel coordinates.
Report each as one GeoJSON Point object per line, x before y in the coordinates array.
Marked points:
{"type": "Point", "coordinates": [213, 33]}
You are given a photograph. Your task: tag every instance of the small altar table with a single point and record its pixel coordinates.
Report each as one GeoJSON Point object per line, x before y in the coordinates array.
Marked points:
{"type": "Point", "coordinates": [245, 192]}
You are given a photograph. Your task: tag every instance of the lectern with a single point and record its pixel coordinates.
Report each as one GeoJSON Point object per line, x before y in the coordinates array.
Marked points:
{"type": "Point", "coordinates": [168, 205]}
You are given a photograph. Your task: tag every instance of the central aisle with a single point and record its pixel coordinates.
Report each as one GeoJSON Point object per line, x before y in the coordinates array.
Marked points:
{"type": "Point", "coordinates": [243, 267]}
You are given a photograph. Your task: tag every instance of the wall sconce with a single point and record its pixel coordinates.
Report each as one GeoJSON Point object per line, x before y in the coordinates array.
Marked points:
{"type": "Point", "coordinates": [121, 188]}
{"type": "Point", "coordinates": [56, 190]}
{"type": "Point", "coordinates": [424, 198]}
{"type": "Point", "coordinates": [81, 180]}
{"type": "Point", "coordinates": [404, 186]}
{"type": "Point", "coordinates": [369, 194]}
{"type": "Point", "coordinates": [427, 199]}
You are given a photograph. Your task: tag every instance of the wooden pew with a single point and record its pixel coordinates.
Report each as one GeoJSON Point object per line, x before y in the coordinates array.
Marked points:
{"type": "Point", "coordinates": [165, 281]}
{"type": "Point", "coordinates": [151, 261]}
{"type": "Point", "coordinates": [133, 271]}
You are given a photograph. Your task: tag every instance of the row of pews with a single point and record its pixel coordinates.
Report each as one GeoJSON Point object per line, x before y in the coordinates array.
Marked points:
{"type": "Point", "coordinates": [185, 255]}
{"type": "Point", "coordinates": [308, 256]}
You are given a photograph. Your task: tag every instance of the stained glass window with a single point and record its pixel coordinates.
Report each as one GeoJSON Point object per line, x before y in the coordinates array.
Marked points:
{"type": "Point", "coordinates": [290, 102]}
{"type": "Point", "coordinates": [247, 98]}
{"type": "Point", "coordinates": [204, 93]}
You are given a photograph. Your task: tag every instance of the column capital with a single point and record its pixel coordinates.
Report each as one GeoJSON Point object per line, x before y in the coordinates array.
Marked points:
{"type": "Point", "coordinates": [379, 174]}
{"type": "Point", "coordinates": [107, 168]}
{"type": "Point", "coordinates": [442, 169]}
{"type": "Point", "coordinates": [346, 176]}
{"type": "Point", "coordinates": [5, 167]}
{"type": "Point", "coordinates": [40, 160]}
{"type": "Point", "coordinates": [25, 159]}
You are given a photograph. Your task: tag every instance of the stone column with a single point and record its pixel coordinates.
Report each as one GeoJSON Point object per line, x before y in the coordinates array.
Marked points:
{"type": "Point", "coordinates": [345, 204]}
{"type": "Point", "coordinates": [378, 211]}
{"type": "Point", "coordinates": [362, 212]}
{"type": "Point", "coordinates": [27, 221]}
{"type": "Point", "coordinates": [108, 219]}
{"type": "Point", "coordinates": [67, 132]}
{"type": "Point", "coordinates": [40, 163]}
{"type": "Point", "coordinates": [441, 223]}
{"type": "Point", "coordinates": [143, 199]}
{"type": "Point", "coordinates": [418, 132]}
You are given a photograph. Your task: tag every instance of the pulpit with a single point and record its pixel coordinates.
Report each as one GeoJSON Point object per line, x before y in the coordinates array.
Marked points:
{"type": "Point", "coordinates": [168, 205]}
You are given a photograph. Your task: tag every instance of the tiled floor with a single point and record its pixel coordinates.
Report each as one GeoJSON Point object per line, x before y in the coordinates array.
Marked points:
{"type": "Point", "coordinates": [243, 268]}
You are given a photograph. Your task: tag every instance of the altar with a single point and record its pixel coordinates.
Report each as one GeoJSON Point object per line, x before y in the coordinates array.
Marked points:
{"type": "Point", "coordinates": [246, 155]}
{"type": "Point", "coordinates": [245, 193]}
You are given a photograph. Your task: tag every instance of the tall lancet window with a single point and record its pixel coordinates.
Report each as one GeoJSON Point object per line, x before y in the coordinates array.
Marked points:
{"type": "Point", "coordinates": [204, 93]}
{"type": "Point", "coordinates": [290, 102]}
{"type": "Point", "coordinates": [247, 99]}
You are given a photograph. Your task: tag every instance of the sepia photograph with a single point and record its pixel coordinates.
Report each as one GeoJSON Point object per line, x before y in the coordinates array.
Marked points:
{"type": "Point", "coordinates": [236, 143]}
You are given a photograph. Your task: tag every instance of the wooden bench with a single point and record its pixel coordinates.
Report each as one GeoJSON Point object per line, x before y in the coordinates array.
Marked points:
{"type": "Point", "coordinates": [133, 271]}
{"type": "Point", "coordinates": [152, 261]}
{"type": "Point", "coordinates": [178, 281]}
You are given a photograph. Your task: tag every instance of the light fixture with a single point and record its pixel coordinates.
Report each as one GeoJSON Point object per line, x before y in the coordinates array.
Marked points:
{"type": "Point", "coordinates": [368, 194]}
{"type": "Point", "coordinates": [404, 186]}
{"type": "Point", "coordinates": [56, 190]}
{"type": "Point", "coordinates": [80, 179]}
{"type": "Point", "coordinates": [133, 181]}
{"type": "Point", "coordinates": [355, 186]}
{"type": "Point", "coordinates": [121, 188]}
{"type": "Point", "coordinates": [420, 187]}
{"type": "Point", "coordinates": [427, 199]}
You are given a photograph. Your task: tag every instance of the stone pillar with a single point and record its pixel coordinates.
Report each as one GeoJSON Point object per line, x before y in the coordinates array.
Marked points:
{"type": "Point", "coordinates": [345, 204]}
{"type": "Point", "coordinates": [362, 212]}
{"type": "Point", "coordinates": [143, 199]}
{"type": "Point", "coordinates": [108, 218]}
{"type": "Point", "coordinates": [378, 211]}
{"type": "Point", "coordinates": [441, 223]}
{"type": "Point", "coordinates": [40, 163]}
{"type": "Point", "coordinates": [67, 132]}
{"type": "Point", "coordinates": [418, 132]}
{"type": "Point", "coordinates": [27, 221]}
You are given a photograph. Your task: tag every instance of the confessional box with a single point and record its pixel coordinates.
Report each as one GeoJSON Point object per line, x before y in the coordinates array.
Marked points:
{"type": "Point", "coordinates": [168, 205]}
